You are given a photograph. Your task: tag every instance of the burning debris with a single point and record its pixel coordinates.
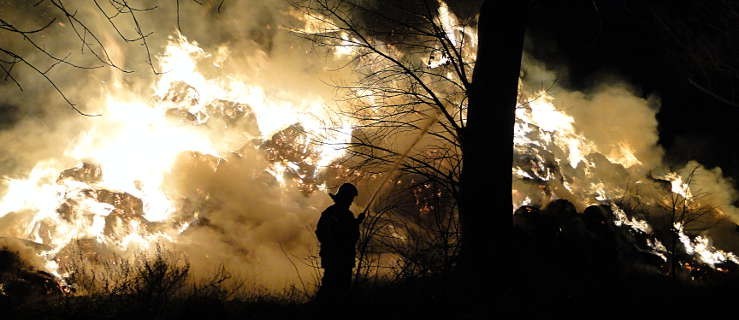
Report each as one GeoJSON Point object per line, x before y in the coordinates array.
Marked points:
{"type": "Point", "coordinates": [555, 161]}
{"type": "Point", "coordinates": [295, 157]}
{"type": "Point", "coordinates": [110, 192]}
{"type": "Point", "coordinates": [19, 281]}
{"type": "Point", "coordinates": [596, 241]}
{"type": "Point", "coordinates": [218, 113]}
{"type": "Point", "coordinates": [117, 198]}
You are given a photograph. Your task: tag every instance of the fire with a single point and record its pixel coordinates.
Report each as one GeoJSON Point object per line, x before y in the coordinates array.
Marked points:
{"type": "Point", "coordinates": [700, 246]}
{"type": "Point", "coordinates": [678, 186]}
{"type": "Point", "coordinates": [274, 112]}
{"type": "Point", "coordinates": [624, 155]}
{"type": "Point", "coordinates": [109, 184]}
{"type": "Point", "coordinates": [464, 38]}
{"type": "Point", "coordinates": [561, 161]}
{"type": "Point", "coordinates": [634, 223]}
{"type": "Point", "coordinates": [315, 23]}
{"type": "Point", "coordinates": [125, 145]}
{"type": "Point", "coordinates": [554, 126]}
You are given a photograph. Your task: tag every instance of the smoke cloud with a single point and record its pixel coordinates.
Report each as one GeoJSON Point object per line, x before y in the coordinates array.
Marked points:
{"type": "Point", "coordinates": [257, 228]}
{"type": "Point", "coordinates": [617, 122]}
{"type": "Point", "coordinates": [260, 230]}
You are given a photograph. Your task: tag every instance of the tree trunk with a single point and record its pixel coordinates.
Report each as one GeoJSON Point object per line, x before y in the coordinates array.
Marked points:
{"type": "Point", "coordinates": [487, 146]}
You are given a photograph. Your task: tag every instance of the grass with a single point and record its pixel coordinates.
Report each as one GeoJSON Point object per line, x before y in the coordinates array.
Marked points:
{"type": "Point", "coordinates": [161, 286]}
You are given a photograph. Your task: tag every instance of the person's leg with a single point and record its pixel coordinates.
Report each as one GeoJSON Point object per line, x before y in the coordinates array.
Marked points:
{"type": "Point", "coordinates": [344, 283]}
{"type": "Point", "coordinates": [329, 286]}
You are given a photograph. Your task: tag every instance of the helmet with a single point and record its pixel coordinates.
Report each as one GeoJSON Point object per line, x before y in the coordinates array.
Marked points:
{"type": "Point", "coordinates": [347, 191]}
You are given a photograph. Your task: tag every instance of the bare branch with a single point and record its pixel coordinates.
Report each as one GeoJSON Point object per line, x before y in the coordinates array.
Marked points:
{"type": "Point", "coordinates": [49, 80]}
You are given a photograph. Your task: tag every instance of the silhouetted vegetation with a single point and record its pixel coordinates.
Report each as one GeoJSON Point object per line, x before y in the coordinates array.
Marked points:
{"type": "Point", "coordinates": [567, 263]}
{"type": "Point", "coordinates": [549, 261]}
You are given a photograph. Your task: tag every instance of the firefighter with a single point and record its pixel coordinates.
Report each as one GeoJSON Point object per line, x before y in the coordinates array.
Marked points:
{"type": "Point", "coordinates": [338, 232]}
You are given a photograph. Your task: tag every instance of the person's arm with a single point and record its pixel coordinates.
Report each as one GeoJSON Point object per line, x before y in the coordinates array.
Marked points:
{"type": "Point", "coordinates": [361, 217]}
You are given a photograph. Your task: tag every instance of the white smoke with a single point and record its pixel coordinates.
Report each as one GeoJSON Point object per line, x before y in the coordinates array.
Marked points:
{"type": "Point", "coordinates": [615, 122]}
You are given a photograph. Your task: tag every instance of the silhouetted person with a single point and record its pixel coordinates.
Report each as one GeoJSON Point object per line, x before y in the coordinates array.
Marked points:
{"type": "Point", "coordinates": [338, 232]}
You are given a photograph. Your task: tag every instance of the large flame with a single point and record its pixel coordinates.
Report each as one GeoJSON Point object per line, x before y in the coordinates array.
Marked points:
{"type": "Point", "coordinates": [109, 184]}
{"type": "Point", "coordinates": [552, 154]}
{"type": "Point", "coordinates": [119, 164]}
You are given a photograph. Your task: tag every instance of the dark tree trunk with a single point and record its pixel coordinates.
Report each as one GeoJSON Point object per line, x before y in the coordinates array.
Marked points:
{"type": "Point", "coordinates": [487, 146]}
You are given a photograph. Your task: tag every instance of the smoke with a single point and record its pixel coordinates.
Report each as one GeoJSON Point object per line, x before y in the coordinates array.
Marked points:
{"type": "Point", "coordinates": [615, 128]}
{"type": "Point", "coordinates": [260, 229]}
{"type": "Point", "coordinates": [612, 116]}
{"type": "Point", "coordinates": [712, 187]}
{"type": "Point", "coordinates": [257, 227]}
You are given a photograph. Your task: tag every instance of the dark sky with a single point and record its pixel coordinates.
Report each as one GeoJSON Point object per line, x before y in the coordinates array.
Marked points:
{"type": "Point", "coordinates": [658, 47]}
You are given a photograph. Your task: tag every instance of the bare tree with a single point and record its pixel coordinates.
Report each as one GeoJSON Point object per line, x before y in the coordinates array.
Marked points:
{"type": "Point", "coordinates": [410, 100]}
{"type": "Point", "coordinates": [685, 211]}
{"type": "Point", "coordinates": [29, 28]}
{"type": "Point", "coordinates": [432, 103]}
{"type": "Point", "coordinates": [703, 39]}
{"type": "Point", "coordinates": [416, 227]}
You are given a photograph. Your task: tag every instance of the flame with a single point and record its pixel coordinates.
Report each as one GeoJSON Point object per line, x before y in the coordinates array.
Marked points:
{"type": "Point", "coordinates": [127, 142]}
{"type": "Point", "coordinates": [554, 126]}
{"type": "Point", "coordinates": [545, 135]}
{"type": "Point", "coordinates": [634, 223]}
{"type": "Point", "coordinates": [624, 155]}
{"type": "Point", "coordinates": [462, 38]}
{"type": "Point", "coordinates": [126, 154]}
{"type": "Point", "coordinates": [316, 23]}
{"type": "Point", "coordinates": [545, 138]}
{"type": "Point", "coordinates": [700, 247]}
{"type": "Point", "coordinates": [137, 141]}
{"type": "Point", "coordinates": [678, 186]}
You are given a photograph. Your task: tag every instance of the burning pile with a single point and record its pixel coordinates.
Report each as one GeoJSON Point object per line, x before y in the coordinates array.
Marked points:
{"type": "Point", "coordinates": [556, 160]}
{"type": "Point", "coordinates": [110, 190]}
{"type": "Point", "coordinates": [124, 183]}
